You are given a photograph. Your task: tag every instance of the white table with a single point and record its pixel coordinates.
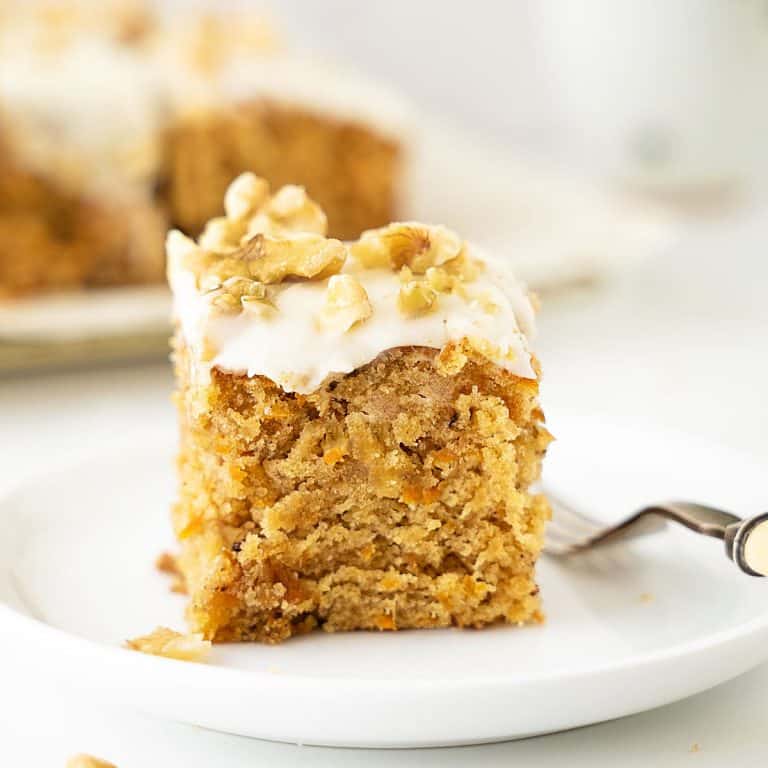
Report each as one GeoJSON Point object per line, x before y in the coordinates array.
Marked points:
{"type": "Point", "coordinates": [682, 341]}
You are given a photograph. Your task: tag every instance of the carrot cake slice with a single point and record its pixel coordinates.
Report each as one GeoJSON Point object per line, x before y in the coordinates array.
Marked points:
{"type": "Point", "coordinates": [359, 426]}
{"type": "Point", "coordinates": [116, 123]}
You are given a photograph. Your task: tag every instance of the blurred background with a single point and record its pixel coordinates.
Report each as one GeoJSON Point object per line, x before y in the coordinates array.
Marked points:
{"type": "Point", "coordinates": [638, 93]}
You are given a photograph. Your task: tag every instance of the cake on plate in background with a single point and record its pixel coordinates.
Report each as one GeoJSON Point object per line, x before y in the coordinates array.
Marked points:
{"type": "Point", "coordinates": [116, 124]}
{"type": "Point", "coordinates": [360, 426]}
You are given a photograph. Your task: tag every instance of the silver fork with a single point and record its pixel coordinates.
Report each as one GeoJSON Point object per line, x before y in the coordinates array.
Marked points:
{"type": "Point", "coordinates": [746, 540]}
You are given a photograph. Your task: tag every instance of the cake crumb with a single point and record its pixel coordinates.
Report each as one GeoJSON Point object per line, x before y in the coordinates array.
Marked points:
{"type": "Point", "coordinates": [166, 563]}
{"type": "Point", "coordinates": [172, 645]}
{"type": "Point", "coordinates": [88, 761]}
{"type": "Point", "coordinates": [695, 747]}
{"type": "Point", "coordinates": [647, 597]}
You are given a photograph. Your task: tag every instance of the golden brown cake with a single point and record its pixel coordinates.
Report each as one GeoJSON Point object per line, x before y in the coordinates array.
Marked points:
{"type": "Point", "coordinates": [360, 426]}
{"type": "Point", "coordinates": [116, 124]}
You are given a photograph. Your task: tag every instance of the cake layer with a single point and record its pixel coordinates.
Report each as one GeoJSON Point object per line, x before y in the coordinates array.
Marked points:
{"type": "Point", "coordinates": [392, 497]}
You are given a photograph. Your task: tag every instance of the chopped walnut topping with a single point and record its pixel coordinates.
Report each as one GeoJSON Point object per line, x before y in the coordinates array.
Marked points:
{"type": "Point", "coordinates": [172, 645]}
{"type": "Point", "coordinates": [222, 235]}
{"type": "Point", "coordinates": [88, 761]}
{"type": "Point", "coordinates": [416, 246]}
{"type": "Point", "coordinates": [273, 260]}
{"type": "Point", "coordinates": [239, 292]}
{"type": "Point", "coordinates": [439, 280]}
{"type": "Point", "coordinates": [346, 304]}
{"type": "Point", "coordinates": [289, 211]}
{"type": "Point", "coordinates": [416, 298]}
{"type": "Point", "coordinates": [245, 195]}
{"type": "Point", "coordinates": [262, 238]}
{"type": "Point", "coordinates": [464, 267]}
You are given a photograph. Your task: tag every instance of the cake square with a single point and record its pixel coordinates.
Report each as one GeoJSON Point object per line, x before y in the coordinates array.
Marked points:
{"type": "Point", "coordinates": [359, 427]}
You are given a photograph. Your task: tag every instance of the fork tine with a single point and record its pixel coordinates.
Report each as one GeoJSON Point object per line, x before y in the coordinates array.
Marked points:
{"type": "Point", "coordinates": [569, 518]}
{"type": "Point", "coordinates": [555, 531]}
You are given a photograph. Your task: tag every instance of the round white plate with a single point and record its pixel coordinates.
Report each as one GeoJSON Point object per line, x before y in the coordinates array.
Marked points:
{"type": "Point", "coordinates": [628, 629]}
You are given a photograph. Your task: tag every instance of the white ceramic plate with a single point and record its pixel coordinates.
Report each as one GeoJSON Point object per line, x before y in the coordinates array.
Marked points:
{"type": "Point", "coordinates": [627, 630]}
{"type": "Point", "coordinates": [95, 325]}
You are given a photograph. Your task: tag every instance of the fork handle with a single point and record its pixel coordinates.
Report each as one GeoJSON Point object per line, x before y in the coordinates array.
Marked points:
{"type": "Point", "coordinates": [746, 541]}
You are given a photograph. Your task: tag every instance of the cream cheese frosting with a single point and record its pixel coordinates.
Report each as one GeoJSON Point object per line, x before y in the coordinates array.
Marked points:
{"type": "Point", "coordinates": [293, 340]}
{"type": "Point", "coordinates": [291, 347]}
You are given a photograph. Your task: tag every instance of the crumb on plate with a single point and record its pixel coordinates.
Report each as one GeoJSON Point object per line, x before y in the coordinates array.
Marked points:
{"type": "Point", "coordinates": [172, 645]}
{"type": "Point", "coordinates": [88, 761]}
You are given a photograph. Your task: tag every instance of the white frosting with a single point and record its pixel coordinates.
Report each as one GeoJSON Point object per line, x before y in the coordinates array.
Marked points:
{"type": "Point", "coordinates": [291, 348]}
{"type": "Point", "coordinates": [94, 113]}
{"type": "Point", "coordinates": [293, 80]}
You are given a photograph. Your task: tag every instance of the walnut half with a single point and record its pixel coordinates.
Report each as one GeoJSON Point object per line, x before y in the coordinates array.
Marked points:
{"type": "Point", "coordinates": [407, 244]}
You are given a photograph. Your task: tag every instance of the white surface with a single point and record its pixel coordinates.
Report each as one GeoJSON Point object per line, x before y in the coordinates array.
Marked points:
{"type": "Point", "coordinates": [604, 652]}
{"type": "Point", "coordinates": [679, 341]}
{"type": "Point", "coordinates": [676, 86]}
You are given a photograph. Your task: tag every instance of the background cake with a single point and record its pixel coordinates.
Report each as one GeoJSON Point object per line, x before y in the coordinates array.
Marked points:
{"type": "Point", "coordinates": [359, 426]}
{"type": "Point", "coordinates": [115, 124]}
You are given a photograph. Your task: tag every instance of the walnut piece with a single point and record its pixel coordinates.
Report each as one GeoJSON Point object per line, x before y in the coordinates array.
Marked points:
{"type": "Point", "coordinates": [464, 267]}
{"type": "Point", "coordinates": [261, 238]}
{"type": "Point", "coordinates": [346, 304]}
{"type": "Point", "coordinates": [416, 298]}
{"type": "Point", "coordinates": [239, 292]}
{"type": "Point", "coordinates": [222, 235]}
{"type": "Point", "coordinates": [455, 355]}
{"type": "Point", "coordinates": [172, 645]}
{"type": "Point", "coordinates": [88, 761]}
{"type": "Point", "coordinates": [287, 212]}
{"type": "Point", "coordinates": [407, 244]}
{"type": "Point", "coordinates": [245, 195]}
{"type": "Point", "coordinates": [272, 260]}
{"type": "Point", "coordinates": [439, 280]}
